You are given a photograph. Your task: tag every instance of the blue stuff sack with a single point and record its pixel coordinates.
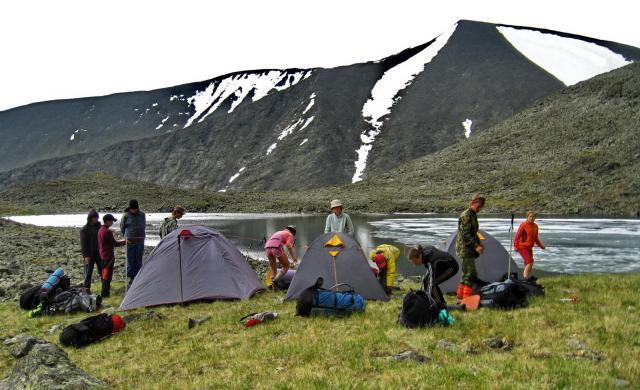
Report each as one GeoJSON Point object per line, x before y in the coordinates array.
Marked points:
{"type": "Point", "coordinates": [334, 302]}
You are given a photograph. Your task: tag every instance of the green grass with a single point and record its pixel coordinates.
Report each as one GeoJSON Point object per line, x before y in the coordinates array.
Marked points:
{"type": "Point", "coordinates": [293, 352]}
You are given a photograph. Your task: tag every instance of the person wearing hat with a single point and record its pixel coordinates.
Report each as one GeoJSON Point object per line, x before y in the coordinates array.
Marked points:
{"type": "Point", "coordinates": [171, 222]}
{"type": "Point", "coordinates": [133, 228]}
{"type": "Point", "coordinates": [89, 246]}
{"type": "Point", "coordinates": [274, 249]}
{"type": "Point", "coordinates": [338, 221]}
{"type": "Point", "coordinates": [469, 245]}
{"type": "Point", "coordinates": [106, 245]}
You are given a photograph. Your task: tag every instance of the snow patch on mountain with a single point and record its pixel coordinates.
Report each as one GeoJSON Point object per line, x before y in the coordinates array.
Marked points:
{"type": "Point", "coordinates": [73, 135]}
{"type": "Point", "coordinates": [240, 86]}
{"type": "Point", "coordinates": [272, 148]}
{"type": "Point", "coordinates": [232, 178]}
{"type": "Point", "coordinates": [309, 120]}
{"type": "Point", "coordinates": [311, 102]}
{"type": "Point", "coordinates": [162, 123]}
{"type": "Point", "coordinates": [289, 130]}
{"type": "Point", "coordinates": [467, 127]}
{"type": "Point", "coordinates": [570, 60]}
{"type": "Point", "coordinates": [304, 141]}
{"type": "Point", "coordinates": [385, 93]}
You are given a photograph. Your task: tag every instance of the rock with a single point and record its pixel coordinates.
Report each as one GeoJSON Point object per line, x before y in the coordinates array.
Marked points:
{"type": "Point", "coordinates": [498, 342]}
{"type": "Point", "coordinates": [45, 366]}
{"type": "Point", "coordinates": [3, 292]}
{"type": "Point", "coordinates": [451, 346]}
{"type": "Point", "coordinates": [410, 355]}
{"type": "Point", "coordinates": [621, 383]}
{"type": "Point", "coordinates": [577, 344]}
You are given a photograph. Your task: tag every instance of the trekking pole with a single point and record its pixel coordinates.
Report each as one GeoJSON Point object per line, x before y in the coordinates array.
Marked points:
{"type": "Point", "coordinates": [510, 246]}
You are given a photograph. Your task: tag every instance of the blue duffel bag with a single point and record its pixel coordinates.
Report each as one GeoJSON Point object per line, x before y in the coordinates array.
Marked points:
{"type": "Point", "coordinates": [340, 300]}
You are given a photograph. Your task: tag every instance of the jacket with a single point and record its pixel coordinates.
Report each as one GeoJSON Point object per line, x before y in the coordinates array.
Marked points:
{"type": "Point", "coordinates": [89, 240]}
{"type": "Point", "coordinates": [467, 239]}
{"type": "Point", "coordinates": [170, 224]}
{"type": "Point", "coordinates": [133, 226]}
{"type": "Point", "coordinates": [278, 239]}
{"type": "Point", "coordinates": [391, 253]}
{"type": "Point", "coordinates": [106, 243]}
{"type": "Point", "coordinates": [341, 224]}
{"type": "Point", "coordinates": [527, 236]}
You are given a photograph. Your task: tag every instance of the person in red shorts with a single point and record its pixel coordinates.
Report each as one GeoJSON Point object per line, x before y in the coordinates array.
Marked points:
{"type": "Point", "coordinates": [525, 239]}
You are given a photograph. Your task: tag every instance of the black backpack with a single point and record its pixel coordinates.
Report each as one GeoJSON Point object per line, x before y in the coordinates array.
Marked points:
{"type": "Point", "coordinates": [87, 331]}
{"type": "Point", "coordinates": [505, 295]}
{"type": "Point", "coordinates": [419, 308]}
{"type": "Point", "coordinates": [30, 298]}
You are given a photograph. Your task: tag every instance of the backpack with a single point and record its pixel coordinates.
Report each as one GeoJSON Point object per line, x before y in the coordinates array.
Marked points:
{"type": "Point", "coordinates": [419, 308]}
{"type": "Point", "coordinates": [73, 300]}
{"type": "Point", "coordinates": [91, 330]}
{"type": "Point", "coordinates": [285, 280]}
{"type": "Point", "coordinates": [30, 298]}
{"type": "Point", "coordinates": [505, 295]}
{"type": "Point", "coordinates": [318, 301]}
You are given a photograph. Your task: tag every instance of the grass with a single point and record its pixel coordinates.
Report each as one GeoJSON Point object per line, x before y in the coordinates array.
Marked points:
{"type": "Point", "coordinates": [294, 352]}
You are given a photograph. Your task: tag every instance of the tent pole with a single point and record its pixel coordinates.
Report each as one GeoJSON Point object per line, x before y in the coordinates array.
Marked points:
{"type": "Point", "coordinates": [510, 246]}
{"type": "Point", "coordinates": [180, 270]}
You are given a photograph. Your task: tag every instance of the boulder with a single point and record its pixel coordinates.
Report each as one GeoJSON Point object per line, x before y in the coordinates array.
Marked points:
{"type": "Point", "coordinates": [42, 365]}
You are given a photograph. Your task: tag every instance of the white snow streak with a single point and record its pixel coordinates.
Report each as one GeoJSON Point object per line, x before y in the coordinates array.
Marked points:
{"type": "Point", "coordinates": [313, 100]}
{"type": "Point", "coordinates": [240, 86]}
{"type": "Point", "coordinates": [570, 60]}
{"type": "Point", "coordinates": [307, 123]}
{"type": "Point", "coordinates": [271, 148]}
{"type": "Point", "coordinates": [288, 130]}
{"type": "Point", "coordinates": [162, 123]}
{"type": "Point", "coordinates": [467, 127]}
{"type": "Point", "coordinates": [236, 175]}
{"type": "Point", "coordinates": [73, 135]}
{"type": "Point", "coordinates": [385, 93]}
{"type": "Point", "coordinates": [154, 105]}
{"type": "Point", "coordinates": [304, 141]}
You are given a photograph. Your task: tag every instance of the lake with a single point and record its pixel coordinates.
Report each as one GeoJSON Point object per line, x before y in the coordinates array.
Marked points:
{"type": "Point", "coordinates": [574, 245]}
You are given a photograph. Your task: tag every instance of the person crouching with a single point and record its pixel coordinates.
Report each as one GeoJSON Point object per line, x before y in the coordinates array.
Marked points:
{"type": "Point", "coordinates": [274, 249]}
{"type": "Point", "coordinates": [443, 265]}
{"type": "Point", "coordinates": [385, 257]}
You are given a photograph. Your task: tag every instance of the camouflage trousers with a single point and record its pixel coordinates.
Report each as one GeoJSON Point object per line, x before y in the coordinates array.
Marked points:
{"type": "Point", "coordinates": [469, 271]}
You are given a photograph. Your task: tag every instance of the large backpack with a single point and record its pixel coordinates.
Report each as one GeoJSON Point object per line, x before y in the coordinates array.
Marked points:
{"type": "Point", "coordinates": [91, 330]}
{"type": "Point", "coordinates": [317, 301]}
{"type": "Point", "coordinates": [75, 299]}
{"type": "Point", "coordinates": [419, 308]}
{"type": "Point", "coordinates": [30, 298]}
{"type": "Point", "coordinates": [505, 295]}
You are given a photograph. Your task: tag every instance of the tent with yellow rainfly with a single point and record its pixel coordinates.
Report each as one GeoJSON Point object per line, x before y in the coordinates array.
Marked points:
{"type": "Point", "coordinates": [336, 258]}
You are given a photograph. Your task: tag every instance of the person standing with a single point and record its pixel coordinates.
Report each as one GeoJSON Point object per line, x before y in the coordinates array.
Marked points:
{"type": "Point", "coordinates": [468, 245]}
{"type": "Point", "coordinates": [106, 245]}
{"type": "Point", "coordinates": [443, 265]}
{"type": "Point", "coordinates": [89, 247]}
{"type": "Point", "coordinates": [385, 257]}
{"type": "Point", "coordinates": [171, 222]}
{"type": "Point", "coordinates": [338, 221]}
{"type": "Point", "coordinates": [525, 239]}
{"type": "Point", "coordinates": [133, 227]}
{"type": "Point", "coordinates": [274, 249]}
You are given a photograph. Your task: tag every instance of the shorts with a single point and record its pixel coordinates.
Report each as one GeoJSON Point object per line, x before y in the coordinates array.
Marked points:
{"type": "Point", "coordinates": [276, 252]}
{"type": "Point", "coordinates": [527, 255]}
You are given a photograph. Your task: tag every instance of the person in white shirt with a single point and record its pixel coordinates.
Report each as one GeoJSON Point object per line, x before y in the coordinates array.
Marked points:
{"type": "Point", "coordinates": [338, 221]}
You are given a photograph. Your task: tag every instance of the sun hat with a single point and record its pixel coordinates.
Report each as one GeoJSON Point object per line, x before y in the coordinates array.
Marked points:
{"type": "Point", "coordinates": [336, 203]}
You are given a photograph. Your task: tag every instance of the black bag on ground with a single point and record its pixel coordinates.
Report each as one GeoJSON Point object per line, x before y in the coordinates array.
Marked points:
{"type": "Point", "coordinates": [30, 298]}
{"type": "Point", "coordinates": [505, 295]}
{"type": "Point", "coordinates": [87, 331]}
{"type": "Point", "coordinates": [419, 308]}
{"type": "Point", "coordinates": [75, 299]}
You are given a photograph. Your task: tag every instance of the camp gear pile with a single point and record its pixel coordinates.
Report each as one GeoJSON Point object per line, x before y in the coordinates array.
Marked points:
{"type": "Point", "coordinates": [254, 319]}
{"type": "Point", "coordinates": [318, 301]}
{"type": "Point", "coordinates": [504, 295]}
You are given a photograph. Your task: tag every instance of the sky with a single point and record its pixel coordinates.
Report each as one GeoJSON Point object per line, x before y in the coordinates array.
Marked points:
{"type": "Point", "coordinates": [77, 48]}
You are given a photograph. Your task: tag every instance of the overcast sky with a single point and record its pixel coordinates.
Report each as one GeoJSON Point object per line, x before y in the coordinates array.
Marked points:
{"type": "Point", "coordinates": [64, 49]}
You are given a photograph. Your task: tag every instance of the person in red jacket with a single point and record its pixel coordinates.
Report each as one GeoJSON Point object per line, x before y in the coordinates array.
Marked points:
{"type": "Point", "coordinates": [106, 244]}
{"type": "Point", "coordinates": [525, 239]}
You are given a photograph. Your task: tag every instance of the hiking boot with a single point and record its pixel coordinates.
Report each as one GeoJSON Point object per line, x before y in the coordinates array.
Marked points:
{"type": "Point", "coordinates": [467, 291]}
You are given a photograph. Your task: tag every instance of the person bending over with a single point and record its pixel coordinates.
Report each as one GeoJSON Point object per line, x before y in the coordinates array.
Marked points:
{"type": "Point", "coordinates": [443, 265]}
{"type": "Point", "coordinates": [274, 249]}
{"type": "Point", "coordinates": [385, 257]}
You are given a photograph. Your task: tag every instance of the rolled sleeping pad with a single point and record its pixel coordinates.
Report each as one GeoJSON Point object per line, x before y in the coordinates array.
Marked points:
{"type": "Point", "coordinates": [285, 280]}
{"type": "Point", "coordinates": [53, 279]}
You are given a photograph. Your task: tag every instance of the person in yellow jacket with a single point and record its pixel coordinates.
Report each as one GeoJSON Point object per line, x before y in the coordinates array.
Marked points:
{"type": "Point", "coordinates": [385, 257]}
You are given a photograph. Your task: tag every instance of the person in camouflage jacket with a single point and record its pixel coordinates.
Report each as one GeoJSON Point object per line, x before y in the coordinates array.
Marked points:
{"type": "Point", "coordinates": [171, 223]}
{"type": "Point", "coordinates": [468, 245]}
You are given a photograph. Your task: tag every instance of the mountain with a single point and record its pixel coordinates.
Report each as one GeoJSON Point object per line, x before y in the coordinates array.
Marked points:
{"type": "Point", "coordinates": [304, 128]}
{"type": "Point", "coordinates": [576, 151]}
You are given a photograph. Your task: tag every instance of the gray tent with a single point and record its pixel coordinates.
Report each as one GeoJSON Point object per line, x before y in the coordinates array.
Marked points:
{"type": "Point", "coordinates": [337, 258]}
{"type": "Point", "coordinates": [491, 265]}
{"type": "Point", "coordinates": [189, 264]}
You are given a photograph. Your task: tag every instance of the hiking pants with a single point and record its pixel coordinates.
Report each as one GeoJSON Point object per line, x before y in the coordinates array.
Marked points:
{"type": "Point", "coordinates": [382, 278]}
{"type": "Point", "coordinates": [469, 272]}
{"type": "Point", "coordinates": [443, 270]}
{"type": "Point", "coordinates": [106, 274]}
{"type": "Point", "coordinates": [134, 258]}
{"type": "Point", "coordinates": [88, 271]}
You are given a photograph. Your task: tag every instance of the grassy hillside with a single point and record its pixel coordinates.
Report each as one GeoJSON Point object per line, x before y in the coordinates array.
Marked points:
{"type": "Point", "coordinates": [590, 344]}
{"type": "Point", "coordinates": [575, 152]}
